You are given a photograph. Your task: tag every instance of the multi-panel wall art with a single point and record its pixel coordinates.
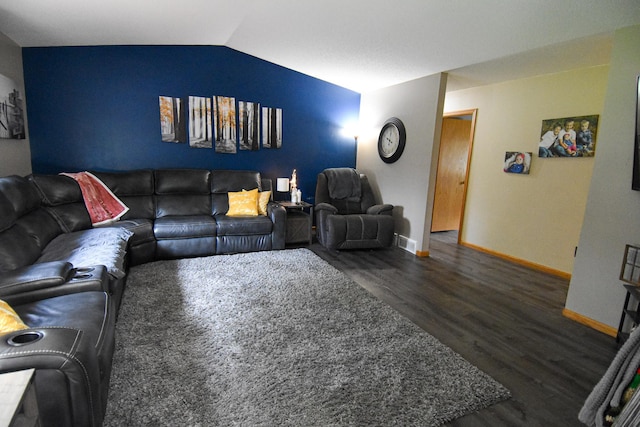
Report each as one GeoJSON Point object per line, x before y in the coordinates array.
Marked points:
{"type": "Point", "coordinates": [172, 120]}
{"type": "Point", "coordinates": [200, 122]}
{"type": "Point", "coordinates": [216, 122]}
{"type": "Point", "coordinates": [11, 110]}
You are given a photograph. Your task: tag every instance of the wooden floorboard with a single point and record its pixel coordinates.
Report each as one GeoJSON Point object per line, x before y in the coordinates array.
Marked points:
{"type": "Point", "coordinates": [504, 318]}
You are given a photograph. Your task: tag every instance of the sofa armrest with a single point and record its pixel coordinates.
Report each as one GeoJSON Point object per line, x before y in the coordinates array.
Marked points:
{"type": "Point", "coordinates": [67, 376]}
{"type": "Point", "coordinates": [384, 209]}
{"type": "Point", "coordinates": [278, 215]}
{"type": "Point", "coordinates": [326, 208]}
{"type": "Point", "coordinates": [34, 277]}
{"type": "Point", "coordinates": [85, 279]}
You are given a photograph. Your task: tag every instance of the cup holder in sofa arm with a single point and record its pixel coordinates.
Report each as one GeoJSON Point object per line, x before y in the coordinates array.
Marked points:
{"type": "Point", "coordinates": [24, 338]}
{"type": "Point", "coordinates": [84, 270]}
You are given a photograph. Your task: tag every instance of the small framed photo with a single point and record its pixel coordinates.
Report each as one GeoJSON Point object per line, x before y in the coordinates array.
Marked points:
{"type": "Point", "coordinates": [517, 162]}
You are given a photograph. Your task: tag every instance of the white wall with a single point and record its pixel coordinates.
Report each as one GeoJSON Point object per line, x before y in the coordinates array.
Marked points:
{"type": "Point", "coordinates": [613, 209]}
{"type": "Point", "coordinates": [537, 217]}
{"type": "Point", "coordinates": [407, 183]}
{"type": "Point", "coordinates": [15, 155]}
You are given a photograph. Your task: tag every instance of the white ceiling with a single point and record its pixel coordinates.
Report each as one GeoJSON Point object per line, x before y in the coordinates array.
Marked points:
{"type": "Point", "coordinates": [359, 44]}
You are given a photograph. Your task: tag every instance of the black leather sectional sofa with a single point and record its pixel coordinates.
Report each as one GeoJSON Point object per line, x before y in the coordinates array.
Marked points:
{"type": "Point", "coordinates": [65, 279]}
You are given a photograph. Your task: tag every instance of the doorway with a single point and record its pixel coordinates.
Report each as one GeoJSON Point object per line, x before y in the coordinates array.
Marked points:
{"type": "Point", "coordinates": [454, 159]}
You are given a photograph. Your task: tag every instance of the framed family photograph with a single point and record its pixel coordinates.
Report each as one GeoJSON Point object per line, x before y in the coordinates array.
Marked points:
{"type": "Point", "coordinates": [568, 137]}
{"type": "Point", "coordinates": [517, 162]}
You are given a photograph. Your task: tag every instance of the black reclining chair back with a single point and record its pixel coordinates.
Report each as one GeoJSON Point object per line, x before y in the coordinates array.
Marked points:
{"type": "Point", "coordinates": [348, 216]}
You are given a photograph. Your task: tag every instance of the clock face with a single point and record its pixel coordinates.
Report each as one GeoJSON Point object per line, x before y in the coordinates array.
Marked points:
{"type": "Point", "coordinates": [391, 140]}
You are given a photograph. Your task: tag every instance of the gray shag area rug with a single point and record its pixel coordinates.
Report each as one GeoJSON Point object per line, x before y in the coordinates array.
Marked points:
{"type": "Point", "coordinates": [278, 338]}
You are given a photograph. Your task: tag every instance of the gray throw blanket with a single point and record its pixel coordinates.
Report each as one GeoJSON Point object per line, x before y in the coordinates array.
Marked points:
{"type": "Point", "coordinates": [343, 183]}
{"type": "Point", "coordinates": [608, 391]}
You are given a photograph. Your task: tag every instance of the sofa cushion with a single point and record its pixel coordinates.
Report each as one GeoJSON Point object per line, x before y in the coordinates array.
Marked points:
{"type": "Point", "coordinates": [9, 319]}
{"type": "Point", "coordinates": [244, 226]}
{"type": "Point", "coordinates": [57, 189]}
{"type": "Point", "coordinates": [7, 213]}
{"type": "Point", "coordinates": [130, 183]}
{"type": "Point", "coordinates": [180, 227]}
{"type": "Point", "coordinates": [17, 249]}
{"type": "Point", "coordinates": [63, 200]}
{"type": "Point", "coordinates": [224, 181]}
{"type": "Point", "coordinates": [181, 181]}
{"type": "Point", "coordinates": [135, 189]}
{"type": "Point", "coordinates": [40, 226]}
{"type": "Point", "coordinates": [96, 246]}
{"type": "Point", "coordinates": [71, 217]}
{"type": "Point", "coordinates": [183, 204]}
{"type": "Point", "coordinates": [141, 228]}
{"type": "Point", "coordinates": [21, 193]}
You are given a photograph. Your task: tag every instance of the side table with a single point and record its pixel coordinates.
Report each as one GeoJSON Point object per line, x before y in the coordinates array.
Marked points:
{"type": "Point", "coordinates": [18, 405]}
{"type": "Point", "coordinates": [299, 222]}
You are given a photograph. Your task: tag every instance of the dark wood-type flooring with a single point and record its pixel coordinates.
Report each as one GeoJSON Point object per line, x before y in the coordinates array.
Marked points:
{"type": "Point", "coordinates": [504, 318]}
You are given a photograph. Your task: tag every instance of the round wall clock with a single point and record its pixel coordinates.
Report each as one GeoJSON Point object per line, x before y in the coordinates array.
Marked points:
{"type": "Point", "coordinates": [391, 140]}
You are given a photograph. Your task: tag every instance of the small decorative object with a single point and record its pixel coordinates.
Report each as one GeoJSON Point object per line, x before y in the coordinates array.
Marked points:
{"type": "Point", "coordinates": [224, 110]}
{"type": "Point", "coordinates": [294, 187]}
{"type": "Point", "coordinates": [271, 127]}
{"type": "Point", "coordinates": [11, 110]}
{"type": "Point", "coordinates": [568, 137]}
{"type": "Point", "coordinates": [249, 116]}
{"type": "Point", "coordinates": [392, 140]}
{"type": "Point", "coordinates": [517, 162]}
{"type": "Point", "coordinates": [200, 122]}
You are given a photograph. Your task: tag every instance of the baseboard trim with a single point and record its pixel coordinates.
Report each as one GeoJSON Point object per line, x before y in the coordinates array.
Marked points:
{"type": "Point", "coordinates": [519, 261]}
{"type": "Point", "coordinates": [593, 324]}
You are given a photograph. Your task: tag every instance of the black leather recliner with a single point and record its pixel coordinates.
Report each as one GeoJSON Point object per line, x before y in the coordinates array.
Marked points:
{"type": "Point", "coordinates": [347, 213]}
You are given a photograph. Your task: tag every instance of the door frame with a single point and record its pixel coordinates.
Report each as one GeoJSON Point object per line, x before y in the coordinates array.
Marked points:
{"type": "Point", "coordinates": [473, 113]}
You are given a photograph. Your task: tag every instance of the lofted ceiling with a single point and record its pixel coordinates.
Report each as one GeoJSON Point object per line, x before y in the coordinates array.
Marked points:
{"type": "Point", "coordinates": [362, 45]}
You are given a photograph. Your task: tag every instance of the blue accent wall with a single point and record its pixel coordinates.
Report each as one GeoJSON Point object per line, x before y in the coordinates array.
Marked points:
{"type": "Point", "coordinates": [96, 108]}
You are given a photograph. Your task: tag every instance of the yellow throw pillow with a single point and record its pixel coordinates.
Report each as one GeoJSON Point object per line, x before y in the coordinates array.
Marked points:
{"type": "Point", "coordinates": [263, 200]}
{"type": "Point", "coordinates": [243, 203]}
{"type": "Point", "coordinates": [9, 319]}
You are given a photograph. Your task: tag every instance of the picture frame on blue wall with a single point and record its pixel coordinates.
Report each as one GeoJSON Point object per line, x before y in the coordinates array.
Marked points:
{"type": "Point", "coordinates": [11, 110]}
{"type": "Point", "coordinates": [271, 127]}
{"type": "Point", "coordinates": [249, 118]}
{"type": "Point", "coordinates": [173, 127]}
{"type": "Point", "coordinates": [200, 133]}
{"type": "Point", "coordinates": [224, 125]}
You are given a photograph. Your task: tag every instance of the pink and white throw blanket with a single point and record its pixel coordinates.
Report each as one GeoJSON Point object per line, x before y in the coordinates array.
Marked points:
{"type": "Point", "coordinates": [102, 204]}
